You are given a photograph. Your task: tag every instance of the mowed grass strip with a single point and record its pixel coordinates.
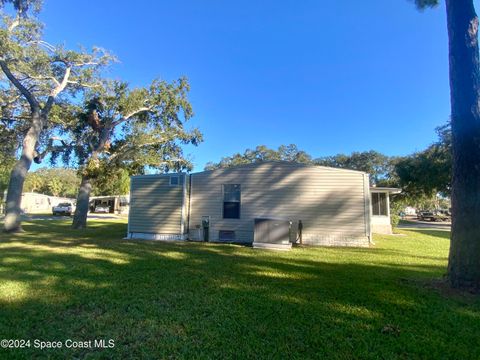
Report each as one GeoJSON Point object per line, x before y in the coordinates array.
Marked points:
{"type": "Point", "coordinates": [202, 300]}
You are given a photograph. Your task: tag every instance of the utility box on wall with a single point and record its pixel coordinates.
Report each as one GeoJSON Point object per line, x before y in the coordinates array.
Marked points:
{"type": "Point", "coordinates": [272, 234]}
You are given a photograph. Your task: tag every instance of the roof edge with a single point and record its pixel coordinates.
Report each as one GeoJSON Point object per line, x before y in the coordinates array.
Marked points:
{"type": "Point", "coordinates": [290, 163]}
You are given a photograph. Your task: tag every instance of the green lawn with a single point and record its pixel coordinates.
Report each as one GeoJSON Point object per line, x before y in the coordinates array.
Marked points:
{"type": "Point", "coordinates": [196, 300]}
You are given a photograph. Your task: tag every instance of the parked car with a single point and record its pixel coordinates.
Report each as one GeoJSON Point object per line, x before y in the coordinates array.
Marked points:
{"type": "Point", "coordinates": [102, 209]}
{"type": "Point", "coordinates": [435, 215]}
{"type": "Point", "coordinates": [425, 215]}
{"type": "Point", "coordinates": [63, 209]}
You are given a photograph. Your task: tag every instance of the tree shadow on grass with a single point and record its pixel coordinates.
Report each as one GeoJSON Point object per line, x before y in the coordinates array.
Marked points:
{"type": "Point", "coordinates": [185, 300]}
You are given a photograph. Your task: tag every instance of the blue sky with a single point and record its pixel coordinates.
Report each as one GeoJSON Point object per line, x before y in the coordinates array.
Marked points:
{"type": "Point", "coordinates": [329, 76]}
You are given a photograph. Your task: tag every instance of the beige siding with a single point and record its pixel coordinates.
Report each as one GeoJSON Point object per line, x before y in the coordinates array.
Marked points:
{"type": "Point", "coordinates": [155, 205]}
{"type": "Point", "coordinates": [330, 202]}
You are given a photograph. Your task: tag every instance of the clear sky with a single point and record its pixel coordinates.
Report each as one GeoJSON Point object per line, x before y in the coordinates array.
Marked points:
{"type": "Point", "coordinates": [329, 76]}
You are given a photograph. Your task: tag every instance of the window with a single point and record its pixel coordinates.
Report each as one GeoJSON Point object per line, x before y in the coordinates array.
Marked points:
{"type": "Point", "coordinates": [379, 204]}
{"type": "Point", "coordinates": [231, 201]}
{"type": "Point", "coordinates": [174, 181]}
{"type": "Point", "coordinates": [226, 235]}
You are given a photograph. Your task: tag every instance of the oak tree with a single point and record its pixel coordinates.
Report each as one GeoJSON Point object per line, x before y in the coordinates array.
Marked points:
{"type": "Point", "coordinates": [35, 75]}
{"type": "Point", "coordinates": [137, 129]}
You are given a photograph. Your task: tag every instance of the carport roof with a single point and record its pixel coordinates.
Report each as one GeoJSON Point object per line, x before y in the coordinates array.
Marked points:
{"type": "Point", "coordinates": [390, 190]}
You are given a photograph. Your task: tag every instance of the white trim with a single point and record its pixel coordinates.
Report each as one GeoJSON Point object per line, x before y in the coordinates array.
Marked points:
{"type": "Point", "coordinates": [130, 205]}
{"type": "Point", "coordinates": [158, 237]}
{"type": "Point", "coordinates": [182, 214]}
{"type": "Point", "coordinates": [367, 207]}
{"type": "Point", "coordinates": [268, 246]}
{"type": "Point", "coordinates": [388, 205]}
{"type": "Point", "coordinates": [388, 190]}
{"type": "Point", "coordinates": [155, 175]}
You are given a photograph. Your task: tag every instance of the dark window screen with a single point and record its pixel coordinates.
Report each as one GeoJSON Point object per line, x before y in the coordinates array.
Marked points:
{"type": "Point", "coordinates": [231, 201]}
{"type": "Point", "coordinates": [379, 204]}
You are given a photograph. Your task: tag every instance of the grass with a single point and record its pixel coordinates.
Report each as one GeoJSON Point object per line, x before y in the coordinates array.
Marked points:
{"type": "Point", "coordinates": [196, 300]}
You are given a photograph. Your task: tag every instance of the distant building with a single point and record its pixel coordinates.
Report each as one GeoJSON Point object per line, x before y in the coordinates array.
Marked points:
{"type": "Point", "coordinates": [34, 203]}
{"type": "Point", "coordinates": [117, 204]}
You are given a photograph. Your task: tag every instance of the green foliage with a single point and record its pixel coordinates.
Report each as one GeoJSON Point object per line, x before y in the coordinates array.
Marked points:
{"type": "Point", "coordinates": [38, 77]}
{"type": "Point", "coordinates": [8, 146]}
{"type": "Point", "coordinates": [55, 186]}
{"type": "Point", "coordinates": [426, 173]}
{"type": "Point", "coordinates": [6, 166]}
{"type": "Point", "coordinates": [397, 205]}
{"type": "Point", "coordinates": [379, 166]}
{"type": "Point", "coordinates": [133, 129]}
{"type": "Point", "coordinates": [112, 181]}
{"type": "Point", "coordinates": [263, 153]}
{"type": "Point", "coordinates": [53, 181]}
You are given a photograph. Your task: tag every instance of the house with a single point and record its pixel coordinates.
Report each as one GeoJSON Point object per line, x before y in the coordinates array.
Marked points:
{"type": "Point", "coordinates": [32, 202]}
{"type": "Point", "coordinates": [326, 206]}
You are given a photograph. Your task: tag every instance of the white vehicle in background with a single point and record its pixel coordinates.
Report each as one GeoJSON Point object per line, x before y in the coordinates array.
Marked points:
{"type": "Point", "coordinates": [102, 209]}
{"type": "Point", "coordinates": [65, 208]}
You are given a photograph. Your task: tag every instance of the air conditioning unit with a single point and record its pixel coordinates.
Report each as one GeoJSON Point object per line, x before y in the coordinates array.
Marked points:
{"type": "Point", "coordinates": [272, 234]}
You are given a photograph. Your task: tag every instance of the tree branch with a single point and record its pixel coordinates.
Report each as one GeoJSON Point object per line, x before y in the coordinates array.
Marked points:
{"type": "Point", "coordinates": [124, 149]}
{"type": "Point", "coordinates": [57, 90]}
{"type": "Point", "coordinates": [61, 86]}
{"type": "Point", "coordinates": [32, 77]}
{"type": "Point", "coordinates": [34, 105]}
{"type": "Point", "coordinates": [50, 148]}
{"type": "Point", "coordinates": [128, 116]}
{"type": "Point", "coordinates": [87, 63]}
{"type": "Point", "coordinates": [14, 24]}
{"type": "Point", "coordinates": [93, 86]}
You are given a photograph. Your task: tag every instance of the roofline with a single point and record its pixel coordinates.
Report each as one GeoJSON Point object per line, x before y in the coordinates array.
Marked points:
{"type": "Point", "coordinates": [390, 190]}
{"type": "Point", "coordinates": [156, 175]}
{"type": "Point", "coordinates": [291, 163]}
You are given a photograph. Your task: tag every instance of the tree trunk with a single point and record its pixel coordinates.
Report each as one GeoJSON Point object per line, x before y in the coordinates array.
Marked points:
{"type": "Point", "coordinates": [19, 173]}
{"type": "Point", "coordinates": [83, 199]}
{"type": "Point", "coordinates": [464, 257]}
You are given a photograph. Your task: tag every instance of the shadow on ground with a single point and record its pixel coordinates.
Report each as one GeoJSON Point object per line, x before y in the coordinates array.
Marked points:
{"type": "Point", "coordinates": [185, 300]}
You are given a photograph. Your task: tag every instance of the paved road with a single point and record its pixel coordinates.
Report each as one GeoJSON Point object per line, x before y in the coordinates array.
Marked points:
{"type": "Point", "coordinates": [431, 225]}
